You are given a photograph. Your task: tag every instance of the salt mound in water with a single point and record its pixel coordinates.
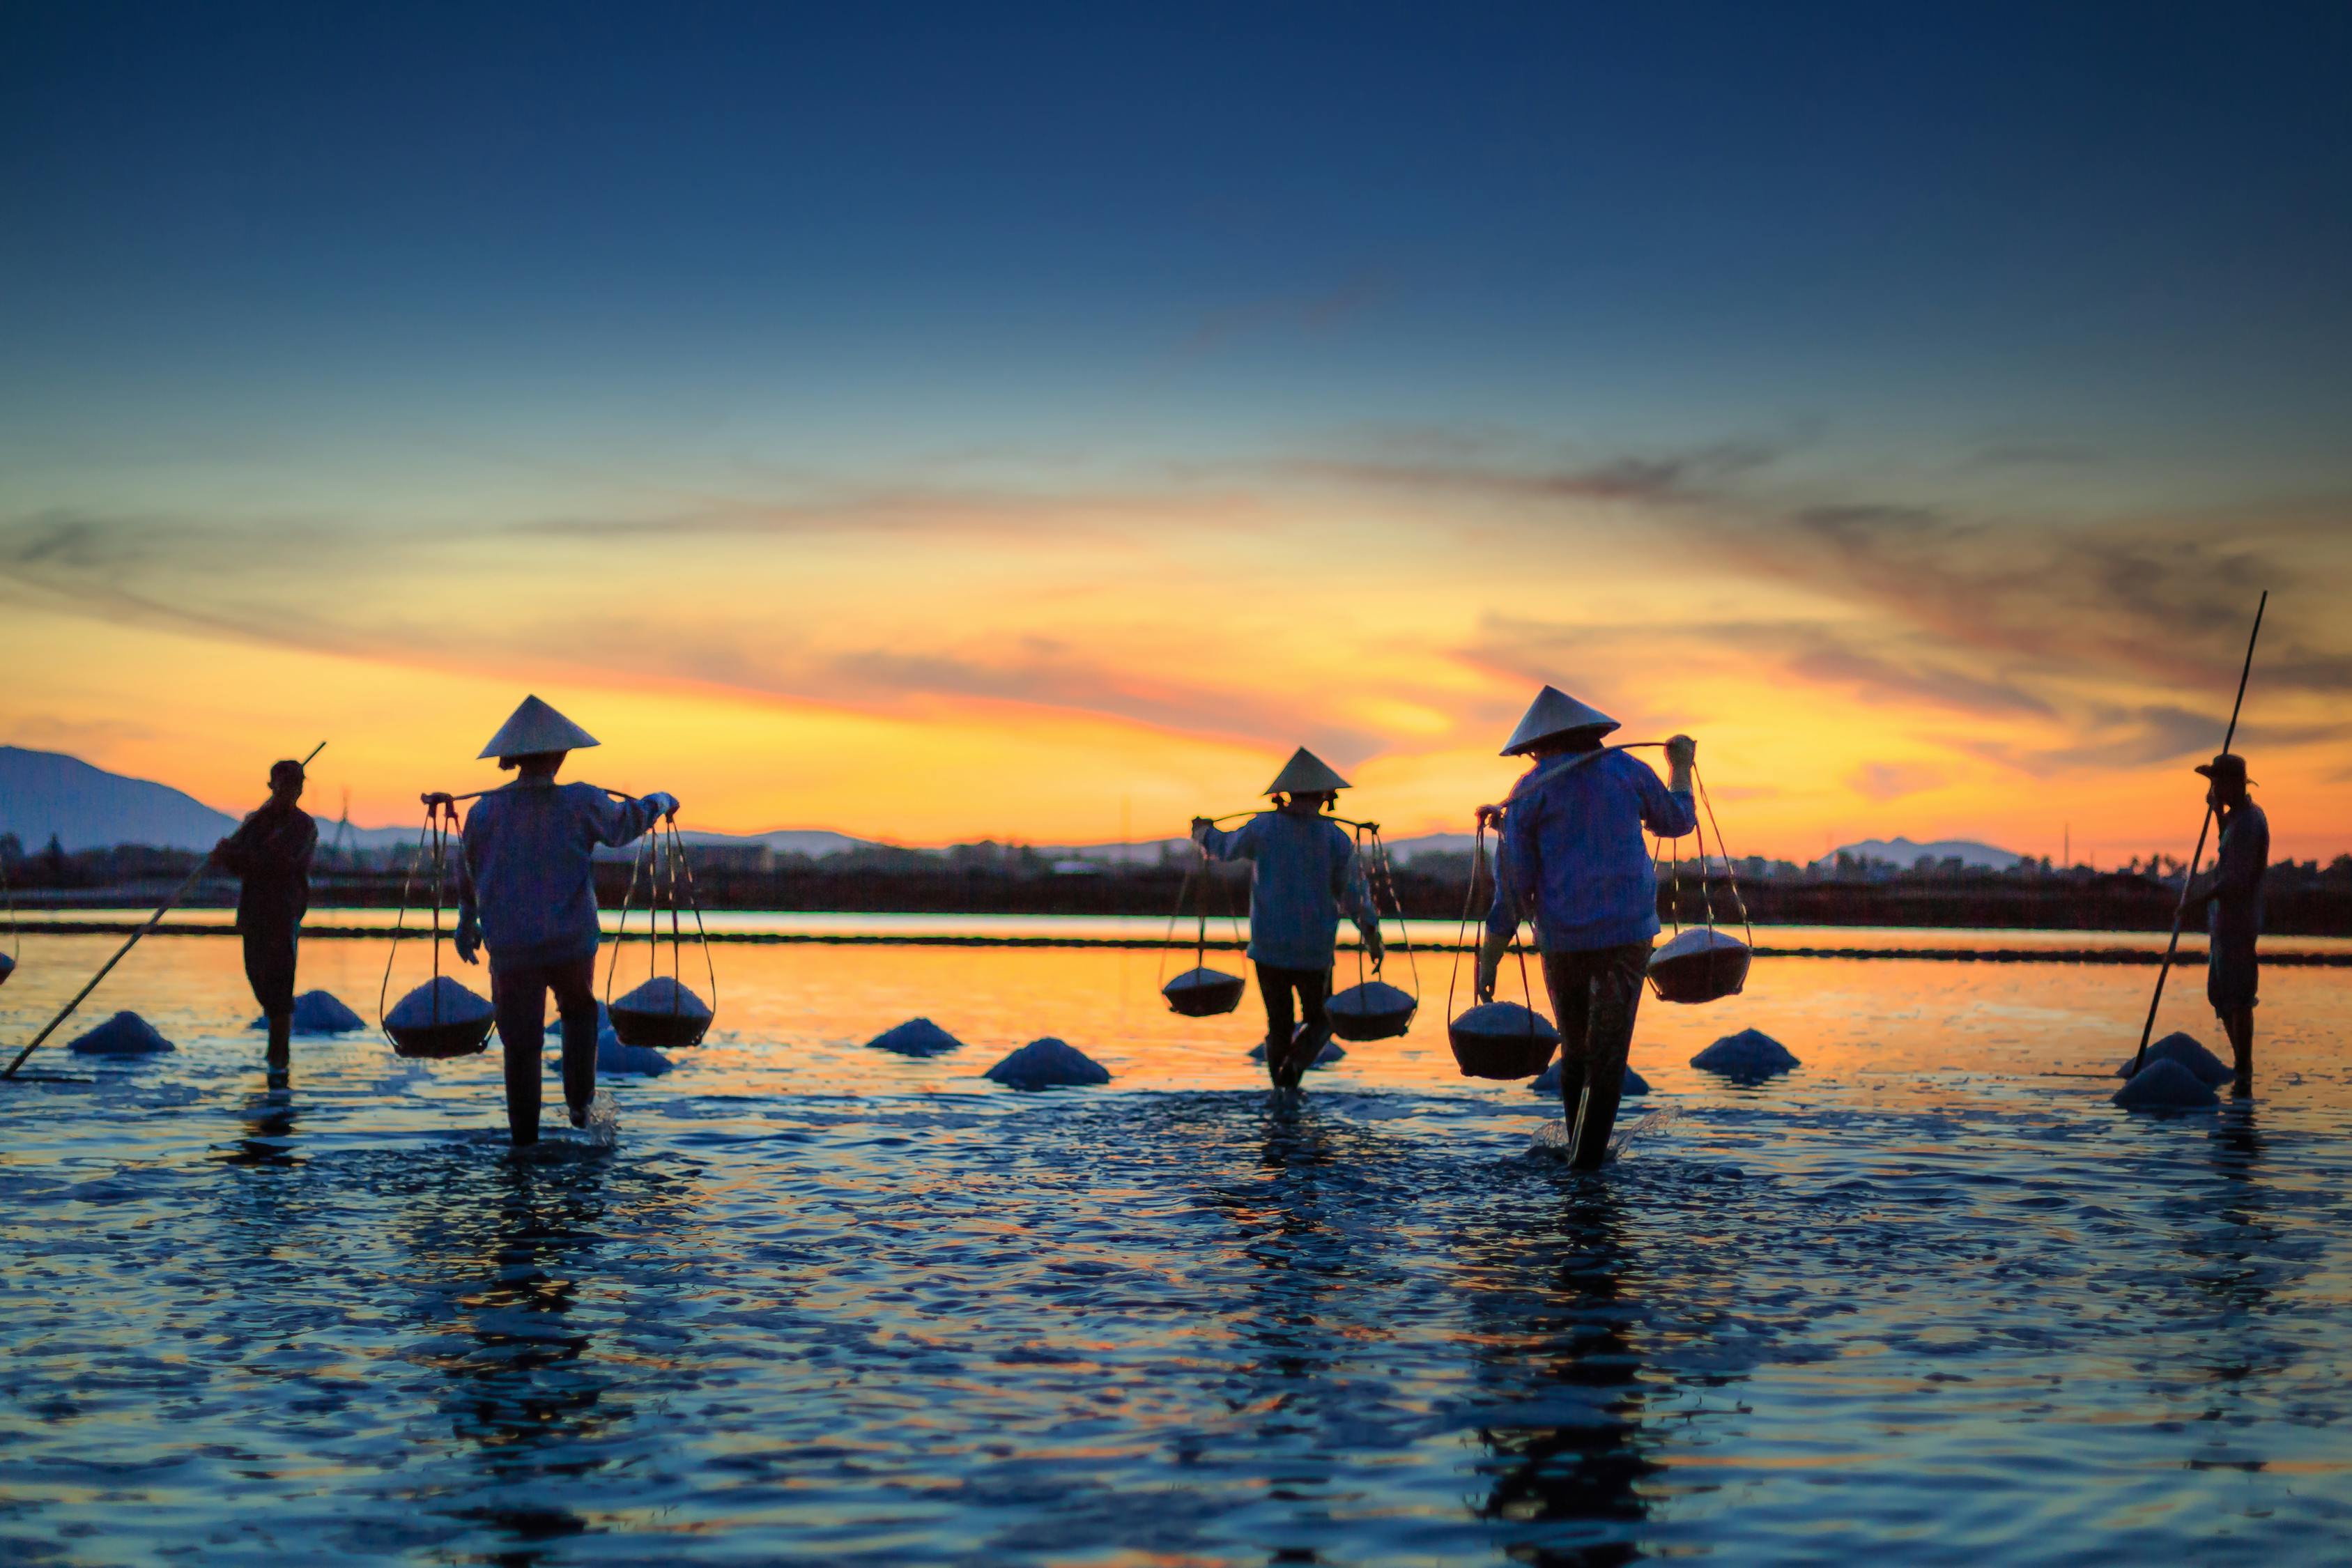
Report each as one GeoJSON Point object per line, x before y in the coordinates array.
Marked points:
{"type": "Point", "coordinates": [124, 1035]}
{"type": "Point", "coordinates": [443, 998]}
{"type": "Point", "coordinates": [1749, 1054]}
{"type": "Point", "coordinates": [1048, 1063]}
{"type": "Point", "coordinates": [1548, 1082]}
{"type": "Point", "coordinates": [319, 1013]}
{"type": "Point", "coordinates": [2165, 1086]}
{"type": "Point", "coordinates": [916, 1037]}
{"type": "Point", "coordinates": [611, 1056]}
{"type": "Point", "coordinates": [1329, 1053]}
{"type": "Point", "coordinates": [665, 996]}
{"type": "Point", "coordinates": [2190, 1052]}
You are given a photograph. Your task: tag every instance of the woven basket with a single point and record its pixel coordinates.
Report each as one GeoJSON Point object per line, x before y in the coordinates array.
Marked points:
{"type": "Point", "coordinates": [661, 1015]}
{"type": "Point", "coordinates": [1699, 966]}
{"type": "Point", "coordinates": [1502, 1039]}
{"type": "Point", "coordinates": [1203, 992]}
{"type": "Point", "coordinates": [1373, 1011]}
{"type": "Point", "coordinates": [439, 1020]}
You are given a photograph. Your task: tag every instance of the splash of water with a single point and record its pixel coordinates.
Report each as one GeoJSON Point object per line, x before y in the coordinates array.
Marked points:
{"type": "Point", "coordinates": [603, 1127]}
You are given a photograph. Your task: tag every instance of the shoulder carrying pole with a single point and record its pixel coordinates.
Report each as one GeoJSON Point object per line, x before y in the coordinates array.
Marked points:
{"type": "Point", "coordinates": [2181, 911]}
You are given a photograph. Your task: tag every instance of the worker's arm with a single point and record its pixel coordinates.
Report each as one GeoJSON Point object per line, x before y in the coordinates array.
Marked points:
{"type": "Point", "coordinates": [2238, 867]}
{"type": "Point", "coordinates": [623, 822]}
{"type": "Point", "coordinates": [1668, 809]}
{"type": "Point", "coordinates": [1221, 844]}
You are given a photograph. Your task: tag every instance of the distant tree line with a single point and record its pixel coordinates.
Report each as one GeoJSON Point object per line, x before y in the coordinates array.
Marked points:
{"type": "Point", "coordinates": [2301, 897]}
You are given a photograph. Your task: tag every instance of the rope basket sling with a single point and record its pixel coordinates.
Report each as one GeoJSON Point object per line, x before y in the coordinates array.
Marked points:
{"type": "Point", "coordinates": [1372, 1009]}
{"type": "Point", "coordinates": [1495, 1039]}
{"type": "Point", "coordinates": [663, 1012]}
{"type": "Point", "coordinates": [1200, 992]}
{"type": "Point", "coordinates": [441, 1018]}
{"type": "Point", "coordinates": [1702, 964]}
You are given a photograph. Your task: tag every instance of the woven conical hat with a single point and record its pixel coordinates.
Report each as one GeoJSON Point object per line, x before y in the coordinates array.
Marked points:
{"type": "Point", "coordinates": [1305, 774]}
{"type": "Point", "coordinates": [535, 727]}
{"type": "Point", "coordinates": [1555, 712]}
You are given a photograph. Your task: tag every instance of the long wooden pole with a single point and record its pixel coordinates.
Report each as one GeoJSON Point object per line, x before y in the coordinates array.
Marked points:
{"type": "Point", "coordinates": [153, 922]}
{"type": "Point", "coordinates": [2181, 911]}
{"type": "Point", "coordinates": [161, 910]}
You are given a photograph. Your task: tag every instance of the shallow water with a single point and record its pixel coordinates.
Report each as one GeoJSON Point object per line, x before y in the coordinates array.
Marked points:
{"type": "Point", "coordinates": [1922, 1296]}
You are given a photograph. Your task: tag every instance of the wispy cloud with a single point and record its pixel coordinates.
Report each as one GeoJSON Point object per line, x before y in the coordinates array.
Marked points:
{"type": "Point", "coordinates": [1893, 781]}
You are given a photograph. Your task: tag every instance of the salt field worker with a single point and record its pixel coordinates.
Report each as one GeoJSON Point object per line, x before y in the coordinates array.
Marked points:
{"type": "Point", "coordinates": [2231, 894]}
{"type": "Point", "coordinates": [527, 892]}
{"type": "Point", "coordinates": [1303, 873]}
{"type": "Point", "coordinates": [271, 853]}
{"type": "Point", "coordinates": [1573, 861]}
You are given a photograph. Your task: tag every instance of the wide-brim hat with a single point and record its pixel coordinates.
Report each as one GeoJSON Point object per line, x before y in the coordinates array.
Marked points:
{"type": "Point", "coordinates": [2226, 766]}
{"type": "Point", "coordinates": [1555, 712]}
{"type": "Point", "coordinates": [1305, 774]}
{"type": "Point", "coordinates": [535, 728]}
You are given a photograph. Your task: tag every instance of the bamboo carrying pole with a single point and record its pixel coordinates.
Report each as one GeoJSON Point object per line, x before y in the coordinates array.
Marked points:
{"type": "Point", "coordinates": [153, 922]}
{"type": "Point", "coordinates": [2181, 911]}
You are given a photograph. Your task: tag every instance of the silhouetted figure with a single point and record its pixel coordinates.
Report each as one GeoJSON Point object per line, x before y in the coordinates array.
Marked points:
{"type": "Point", "coordinates": [270, 852]}
{"type": "Point", "coordinates": [1303, 872]}
{"type": "Point", "coordinates": [2231, 894]}
{"type": "Point", "coordinates": [1573, 861]}
{"type": "Point", "coordinates": [527, 891]}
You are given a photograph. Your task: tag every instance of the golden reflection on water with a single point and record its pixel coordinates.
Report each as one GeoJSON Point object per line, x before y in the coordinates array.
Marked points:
{"type": "Point", "coordinates": [795, 1018]}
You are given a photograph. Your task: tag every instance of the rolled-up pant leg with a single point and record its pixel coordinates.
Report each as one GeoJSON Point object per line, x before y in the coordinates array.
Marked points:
{"type": "Point", "coordinates": [269, 965]}
{"type": "Point", "coordinates": [575, 1001]}
{"type": "Point", "coordinates": [518, 994]}
{"type": "Point", "coordinates": [1596, 995]}
{"type": "Point", "coordinates": [1276, 987]}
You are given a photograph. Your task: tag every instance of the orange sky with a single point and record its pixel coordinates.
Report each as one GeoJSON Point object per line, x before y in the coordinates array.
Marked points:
{"type": "Point", "coordinates": [958, 663]}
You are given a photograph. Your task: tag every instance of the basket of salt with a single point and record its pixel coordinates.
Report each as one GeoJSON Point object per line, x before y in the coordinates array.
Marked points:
{"type": "Point", "coordinates": [438, 1020]}
{"type": "Point", "coordinates": [1374, 1010]}
{"type": "Point", "coordinates": [7, 968]}
{"type": "Point", "coordinates": [661, 1014]}
{"type": "Point", "coordinates": [1701, 964]}
{"type": "Point", "coordinates": [1502, 1039]}
{"type": "Point", "coordinates": [1203, 992]}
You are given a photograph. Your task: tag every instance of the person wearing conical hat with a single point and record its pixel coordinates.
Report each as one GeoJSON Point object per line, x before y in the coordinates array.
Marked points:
{"type": "Point", "coordinates": [2232, 896]}
{"type": "Point", "coordinates": [1573, 860]}
{"type": "Point", "coordinates": [1303, 874]}
{"type": "Point", "coordinates": [527, 892]}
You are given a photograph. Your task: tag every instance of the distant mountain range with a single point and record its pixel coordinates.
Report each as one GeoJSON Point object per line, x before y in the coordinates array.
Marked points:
{"type": "Point", "coordinates": [1904, 853]}
{"type": "Point", "coordinates": [46, 794]}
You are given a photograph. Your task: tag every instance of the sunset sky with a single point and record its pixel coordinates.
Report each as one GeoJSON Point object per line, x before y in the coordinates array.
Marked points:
{"type": "Point", "coordinates": [940, 423]}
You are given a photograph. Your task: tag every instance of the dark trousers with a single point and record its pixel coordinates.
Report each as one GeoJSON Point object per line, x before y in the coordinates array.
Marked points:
{"type": "Point", "coordinates": [1595, 996]}
{"type": "Point", "coordinates": [520, 995]}
{"type": "Point", "coordinates": [1313, 989]}
{"type": "Point", "coordinates": [269, 965]}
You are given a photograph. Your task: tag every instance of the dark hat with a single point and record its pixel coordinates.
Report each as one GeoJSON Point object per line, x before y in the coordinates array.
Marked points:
{"type": "Point", "coordinates": [287, 769]}
{"type": "Point", "coordinates": [2227, 767]}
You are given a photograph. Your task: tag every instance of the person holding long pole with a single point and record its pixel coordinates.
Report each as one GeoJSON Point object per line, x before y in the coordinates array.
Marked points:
{"type": "Point", "coordinates": [271, 853]}
{"type": "Point", "coordinates": [2232, 896]}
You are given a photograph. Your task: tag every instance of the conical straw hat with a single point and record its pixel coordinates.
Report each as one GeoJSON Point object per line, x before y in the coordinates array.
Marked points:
{"type": "Point", "coordinates": [1305, 774]}
{"type": "Point", "coordinates": [1555, 712]}
{"type": "Point", "coordinates": [534, 728]}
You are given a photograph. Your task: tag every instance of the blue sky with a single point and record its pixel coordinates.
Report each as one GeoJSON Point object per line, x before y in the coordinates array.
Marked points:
{"type": "Point", "coordinates": [2043, 304]}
